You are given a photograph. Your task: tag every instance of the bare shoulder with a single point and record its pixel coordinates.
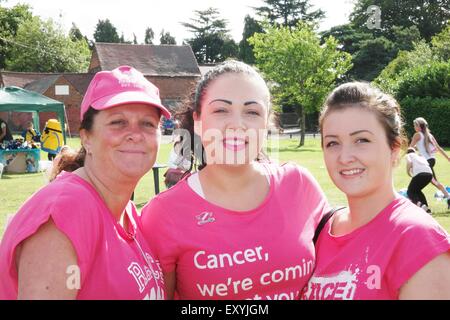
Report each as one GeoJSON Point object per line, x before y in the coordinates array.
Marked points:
{"type": "Point", "coordinates": [42, 261]}
{"type": "Point", "coordinates": [432, 281]}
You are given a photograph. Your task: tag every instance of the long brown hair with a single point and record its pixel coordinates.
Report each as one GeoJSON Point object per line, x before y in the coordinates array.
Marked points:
{"type": "Point", "coordinates": [70, 161]}
{"type": "Point", "coordinates": [423, 126]}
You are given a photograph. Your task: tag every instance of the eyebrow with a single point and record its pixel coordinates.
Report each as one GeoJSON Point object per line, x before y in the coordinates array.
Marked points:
{"type": "Point", "coordinates": [230, 102]}
{"type": "Point", "coordinates": [351, 134]}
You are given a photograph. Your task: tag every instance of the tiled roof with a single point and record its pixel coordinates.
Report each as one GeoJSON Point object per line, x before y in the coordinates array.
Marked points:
{"type": "Point", "coordinates": [151, 60]}
{"type": "Point", "coordinates": [20, 79]}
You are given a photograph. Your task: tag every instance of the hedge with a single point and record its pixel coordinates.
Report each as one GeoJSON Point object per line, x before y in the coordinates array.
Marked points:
{"type": "Point", "coordinates": [436, 111]}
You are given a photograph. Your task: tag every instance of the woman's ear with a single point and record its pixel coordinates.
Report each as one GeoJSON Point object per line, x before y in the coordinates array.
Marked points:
{"type": "Point", "coordinates": [85, 140]}
{"type": "Point", "coordinates": [395, 153]}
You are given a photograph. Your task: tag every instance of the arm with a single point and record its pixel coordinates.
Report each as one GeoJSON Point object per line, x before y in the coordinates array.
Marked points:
{"type": "Point", "coordinates": [170, 280]}
{"type": "Point", "coordinates": [408, 167]}
{"type": "Point", "coordinates": [414, 140]}
{"type": "Point", "coordinates": [442, 151]}
{"type": "Point", "coordinates": [430, 282]}
{"type": "Point", "coordinates": [42, 261]}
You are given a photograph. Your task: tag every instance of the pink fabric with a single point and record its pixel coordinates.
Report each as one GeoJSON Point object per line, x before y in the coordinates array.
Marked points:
{"type": "Point", "coordinates": [120, 86]}
{"type": "Point", "coordinates": [265, 253]}
{"type": "Point", "coordinates": [375, 260]}
{"type": "Point", "coordinates": [109, 259]}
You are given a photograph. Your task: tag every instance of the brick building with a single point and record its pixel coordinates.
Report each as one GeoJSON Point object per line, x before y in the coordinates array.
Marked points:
{"type": "Point", "coordinates": [173, 69]}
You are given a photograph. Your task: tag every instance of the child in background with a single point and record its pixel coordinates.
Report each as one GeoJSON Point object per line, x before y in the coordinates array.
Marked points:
{"type": "Point", "coordinates": [418, 168]}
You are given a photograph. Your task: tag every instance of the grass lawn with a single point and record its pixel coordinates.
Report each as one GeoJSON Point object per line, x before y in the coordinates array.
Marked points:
{"type": "Point", "coordinates": [16, 188]}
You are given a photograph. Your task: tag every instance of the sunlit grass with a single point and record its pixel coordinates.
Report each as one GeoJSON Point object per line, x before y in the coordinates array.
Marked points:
{"type": "Point", "coordinates": [16, 188]}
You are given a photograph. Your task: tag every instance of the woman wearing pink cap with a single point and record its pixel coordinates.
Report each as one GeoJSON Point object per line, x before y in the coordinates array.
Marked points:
{"type": "Point", "coordinates": [240, 227]}
{"type": "Point", "coordinates": [79, 237]}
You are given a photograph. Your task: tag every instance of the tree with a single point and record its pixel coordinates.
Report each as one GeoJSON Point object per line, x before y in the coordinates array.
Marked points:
{"type": "Point", "coordinates": [303, 69]}
{"type": "Point", "coordinates": [289, 12]}
{"type": "Point", "coordinates": [166, 38]}
{"type": "Point", "coordinates": [42, 46]}
{"type": "Point", "coordinates": [211, 42]}
{"type": "Point", "coordinates": [75, 33]}
{"type": "Point", "coordinates": [371, 53]}
{"type": "Point", "coordinates": [106, 32]}
{"type": "Point", "coordinates": [405, 60]}
{"type": "Point", "coordinates": [251, 26]}
{"type": "Point", "coordinates": [441, 44]}
{"type": "Point", "coordinates": [134, 39]}
{"type": "Point", "coordinates": [149, 35]}
{"type": "Point", "coordinates": [10, 20]}
{"type": "Point", "coordinates": [429, 16]}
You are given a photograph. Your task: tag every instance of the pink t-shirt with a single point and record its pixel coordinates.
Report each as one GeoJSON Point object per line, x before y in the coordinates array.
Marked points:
{"type": "Point", "coordinates": [375, 260]}
{"type": "Point", "coordinates": [265, 253]}
{"type": "Point", "coordinates": [111, 261]}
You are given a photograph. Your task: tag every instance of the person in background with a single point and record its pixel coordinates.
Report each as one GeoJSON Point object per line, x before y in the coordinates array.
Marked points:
{"type": "Point", "coordinates": [178, 163]}
{"type": "Point", "coordinates": [5, 133]}
{"type": "Point", "coordinates": [52, 138]}
{"type": "Point", "coordinates": [31, 135]}
{"type": "Point", "coordinates": [79, 237]}
{"type": "Point", "coordinates": [418, 168]}
{"type": "Point", "coordinates": [427, 145]}
{"type": "Point", "coordinates": [67, 160]}
{"type": "Point", "coordinates": [383, 247]}
{"type": "Point", "coordinates": [232, 229]}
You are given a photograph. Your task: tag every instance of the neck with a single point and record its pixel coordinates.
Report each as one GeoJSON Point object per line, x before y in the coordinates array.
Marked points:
{"type": "Point", "coordinates": [115, 194]}
{"type": "Point", "coordinates": [226, 176]}
{"type": "Point", "coordinates": [363, 209]}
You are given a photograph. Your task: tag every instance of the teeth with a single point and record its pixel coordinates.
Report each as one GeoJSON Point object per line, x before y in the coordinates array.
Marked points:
{"type": "Point", "coordinates": [351, 172]}
{"type": "Point", "coordinates": [235, 142]}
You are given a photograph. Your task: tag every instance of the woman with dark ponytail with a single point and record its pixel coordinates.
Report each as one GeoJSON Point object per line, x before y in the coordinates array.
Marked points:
{"type": "Point", "coordinates": [240, 227]}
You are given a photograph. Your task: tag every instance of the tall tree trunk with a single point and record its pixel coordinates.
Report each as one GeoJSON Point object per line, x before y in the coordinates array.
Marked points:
{"type": "Point", "coordinates": [302, 122]}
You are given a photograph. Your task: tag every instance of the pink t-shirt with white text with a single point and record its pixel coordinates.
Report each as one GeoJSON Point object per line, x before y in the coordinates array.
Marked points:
{"type": "Point", "coordinates": [111, 262]}
{"type": "Point", "coordinates": [375, 260]}
{"type": "Point", "coordinates": [265, 253]}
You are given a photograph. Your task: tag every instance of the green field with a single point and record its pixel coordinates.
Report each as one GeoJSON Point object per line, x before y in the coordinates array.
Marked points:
{"type": "Point", "coordinates": [16, 188]}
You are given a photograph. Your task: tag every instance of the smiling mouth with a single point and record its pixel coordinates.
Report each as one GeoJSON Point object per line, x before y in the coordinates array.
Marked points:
{"type": "Point", "coordinates": [235, 144]}
{"type": "Point", "coordinates": [351, 173]}
{"type": "Point", "coordinates": [132, 151]}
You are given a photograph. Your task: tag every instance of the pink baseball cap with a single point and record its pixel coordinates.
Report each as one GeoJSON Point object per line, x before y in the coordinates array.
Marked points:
{"type": "Point", "coordinates": [121, 86]}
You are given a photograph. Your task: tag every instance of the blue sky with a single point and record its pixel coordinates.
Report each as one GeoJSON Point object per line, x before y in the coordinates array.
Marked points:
{"type": "Point", "coordinates": [136, 15]}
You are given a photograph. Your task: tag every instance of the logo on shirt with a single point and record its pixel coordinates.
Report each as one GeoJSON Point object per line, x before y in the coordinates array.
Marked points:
{"type": "Point", "coordinates": [332, 287]}
{"type": "Point", "coordinates": [204, 218]}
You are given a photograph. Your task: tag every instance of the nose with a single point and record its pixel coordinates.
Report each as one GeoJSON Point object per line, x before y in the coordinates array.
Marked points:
{"type": "Point", "coordinates": [346, 155]}
{"type": "Point", "coordinates": [135, 133]}
{"type": "Point", "coordinates": [236, 121]}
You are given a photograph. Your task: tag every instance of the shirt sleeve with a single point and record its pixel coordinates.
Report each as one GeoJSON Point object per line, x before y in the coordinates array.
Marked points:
{"type": "Point", "coordinates": [316, 203]}
{"type": "Point", "coordinates": [159, 231]}
{"type": "Point", "coordinates": [417, 245]}
{"type": "Point", "coordinates": [81, 226]}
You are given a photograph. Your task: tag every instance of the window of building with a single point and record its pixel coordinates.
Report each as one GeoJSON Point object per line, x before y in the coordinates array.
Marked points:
{"type": "Point", "coordinates": [62, 90]}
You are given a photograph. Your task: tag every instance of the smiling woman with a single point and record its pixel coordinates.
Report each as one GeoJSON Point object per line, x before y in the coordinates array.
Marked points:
{"type": "Point", "coordinates": [78, 237]}
{"type": "Point", "coordinates": [238, 227]}
{"type": "Point", "coordinates": [383, 246]}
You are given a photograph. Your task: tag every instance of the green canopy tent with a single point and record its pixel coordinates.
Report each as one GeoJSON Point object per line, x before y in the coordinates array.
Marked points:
{"type": "Point", "coordinates": [21, 100]}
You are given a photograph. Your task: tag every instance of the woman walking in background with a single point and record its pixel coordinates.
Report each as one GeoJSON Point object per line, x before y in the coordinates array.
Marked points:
{"type": "Point", "coordinates": [427, 145]}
